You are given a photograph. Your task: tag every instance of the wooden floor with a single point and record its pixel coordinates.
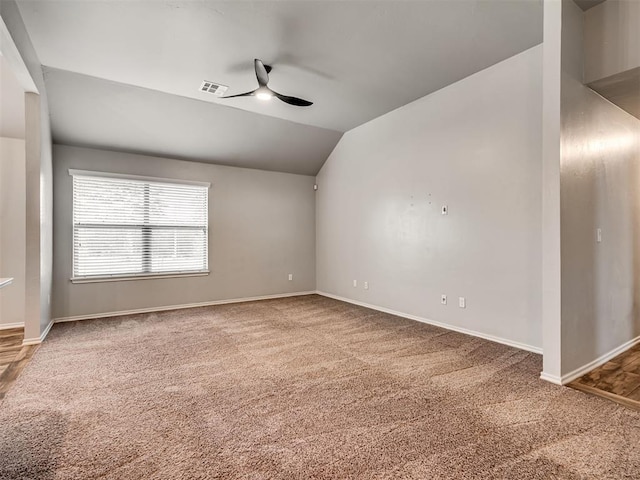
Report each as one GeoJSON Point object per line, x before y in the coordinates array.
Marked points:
{"type": "Point", "coordinates": [13, 357]}
{"type": "Point", "coordinates": [617, 380]}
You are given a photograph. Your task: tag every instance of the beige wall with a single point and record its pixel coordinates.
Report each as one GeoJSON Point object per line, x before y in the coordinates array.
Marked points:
{"type": "Point", "coordinates": [12, 229]}
{"type": "Point", "coordinates": [600, 182]}
{"type": "Point", "coordinates": [261, 228]}
{"type": "Point", "coordinates": [474, 146]}
{"type": "Point", "coordinates": [11, 102]}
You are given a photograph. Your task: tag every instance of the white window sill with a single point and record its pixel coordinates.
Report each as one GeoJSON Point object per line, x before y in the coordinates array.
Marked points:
{"type": "Point", "coordinates": [146, 276]}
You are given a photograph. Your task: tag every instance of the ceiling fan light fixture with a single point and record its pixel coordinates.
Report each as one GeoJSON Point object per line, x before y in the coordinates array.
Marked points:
{"type": "Point", "coordinates": [264, 95]}
{"type": "Point", "coordinates": [263, 92]}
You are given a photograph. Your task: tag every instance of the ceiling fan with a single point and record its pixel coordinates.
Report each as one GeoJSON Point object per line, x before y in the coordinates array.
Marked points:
{"type": "Point", "coordinates": [263, 92]}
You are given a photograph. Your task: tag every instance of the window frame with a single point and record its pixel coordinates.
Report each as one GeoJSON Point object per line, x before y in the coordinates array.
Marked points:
{"type": "Point", "coordinates": [143, 275]}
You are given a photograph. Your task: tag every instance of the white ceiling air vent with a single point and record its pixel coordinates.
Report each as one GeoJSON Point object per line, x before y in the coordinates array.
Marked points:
{"type": "Point", "coordinates": [215, 88]}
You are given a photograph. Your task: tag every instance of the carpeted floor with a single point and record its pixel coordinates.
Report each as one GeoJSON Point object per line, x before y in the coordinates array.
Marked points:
{"type": "Point", "coordinates": [299, 388]}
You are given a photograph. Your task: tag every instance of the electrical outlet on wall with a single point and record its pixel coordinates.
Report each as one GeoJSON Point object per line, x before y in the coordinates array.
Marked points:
{"type": "Point", "coordinates": [443, 299]}
{"type": "Point", "coordinates": [366, 285]}
{"type": "Point", "coordinates": [462, 302]}
{"type": "Point", "coordinates": [355, 283]}
{"type": "Point", "coordinates": [291, 276]}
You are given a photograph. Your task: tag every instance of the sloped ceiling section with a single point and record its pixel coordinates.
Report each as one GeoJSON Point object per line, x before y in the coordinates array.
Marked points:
{"type": "Point", "coordinates": [92, 112]}
{"type": "Point", "coordinates": [587, 4]}
{"type": "Point", "coordinates": [356, 60]}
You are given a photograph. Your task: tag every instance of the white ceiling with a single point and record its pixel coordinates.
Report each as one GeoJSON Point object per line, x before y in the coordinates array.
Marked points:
{"type": "Point", "coordinates": [355, 60]}
{"type": "Point", "coordinates": [11, 103]}
{"type": "Point", "coordinates": [88, 111]}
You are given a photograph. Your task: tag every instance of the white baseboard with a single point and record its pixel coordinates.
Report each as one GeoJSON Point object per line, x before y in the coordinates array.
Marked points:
{"type": "Point", "coordinates": [601, 360]}
{"type": "Point", "coordinates": [551, 378]}
{"type": "Point", "coordinates": [7, 326]}
{"type": "Point", "coordinates": [40, 339]}
{"type": "Point", "coordinates": [504, 341]}
{"type": "Point", "coordinates": [178, 307]}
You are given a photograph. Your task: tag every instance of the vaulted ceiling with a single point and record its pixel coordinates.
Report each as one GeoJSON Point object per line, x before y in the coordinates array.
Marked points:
{"type": "Point", "coordinates": [126, 74]}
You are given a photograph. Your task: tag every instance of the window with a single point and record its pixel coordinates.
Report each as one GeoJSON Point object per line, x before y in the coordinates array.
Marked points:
{"type": "Point", "coordinates": [127, 226]}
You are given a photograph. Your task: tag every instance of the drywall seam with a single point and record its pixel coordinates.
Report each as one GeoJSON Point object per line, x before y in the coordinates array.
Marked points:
{"type": "Point", "coordinates": [446, 326]}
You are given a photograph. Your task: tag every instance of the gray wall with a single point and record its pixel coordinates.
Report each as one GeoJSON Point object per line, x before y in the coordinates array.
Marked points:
{"type": "Point", "coordinates": [261, 228]}
{"type": "Point", "coordinates": [474, 146]}
{"type": "Point", "coordinates": [600, 181]}
{"type": "Point", "coordinates": [12, 229]}
{"type": "Point", "coordinates": [39, 182]}
{"type": "Point", "coordinates": [612, 39]}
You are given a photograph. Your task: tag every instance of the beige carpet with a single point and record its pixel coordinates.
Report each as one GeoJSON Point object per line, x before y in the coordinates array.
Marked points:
{"type": "Point", "coordinates": [299, 388]}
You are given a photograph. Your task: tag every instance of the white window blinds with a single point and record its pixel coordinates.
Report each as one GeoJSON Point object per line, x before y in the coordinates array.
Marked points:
{"type": "Point", "coordinates": [134, 226]}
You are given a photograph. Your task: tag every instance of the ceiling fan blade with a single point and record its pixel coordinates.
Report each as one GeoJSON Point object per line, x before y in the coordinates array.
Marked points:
{"type": "Point", "coordinates": [261, 72]}
{"type": "Point", "coordinates": [298, 102]}
{"type": "Point", "coordinates": [245, 94]}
